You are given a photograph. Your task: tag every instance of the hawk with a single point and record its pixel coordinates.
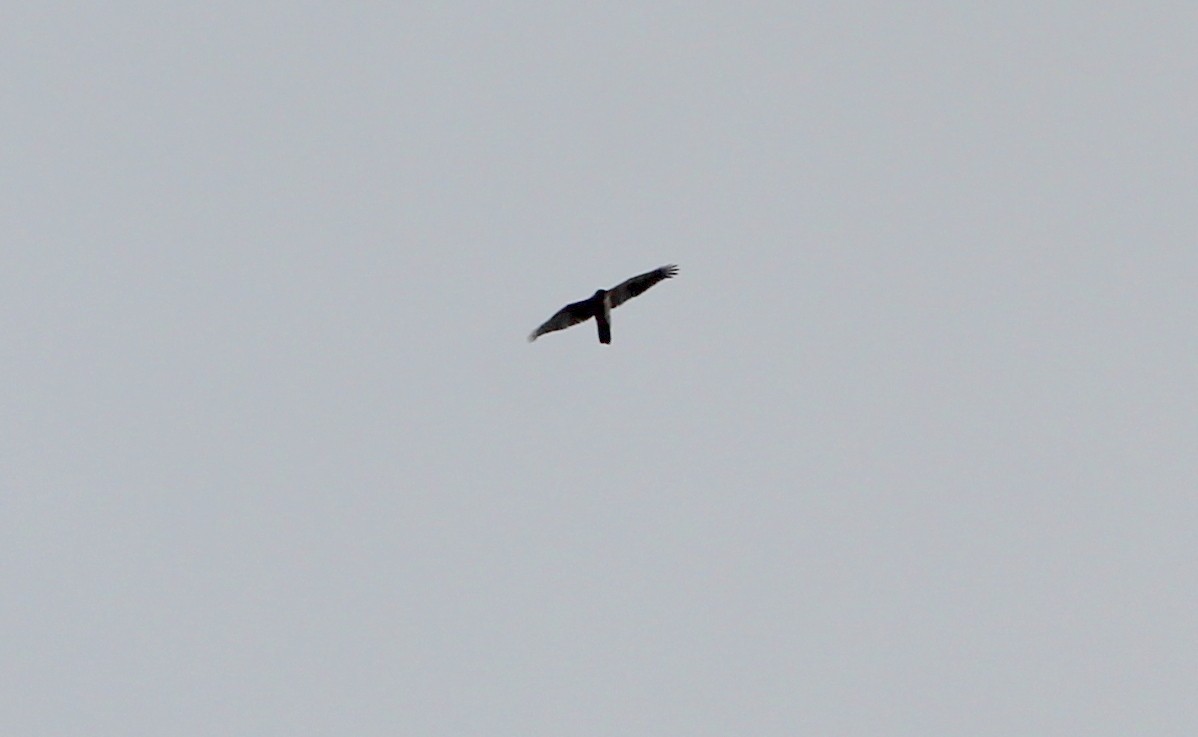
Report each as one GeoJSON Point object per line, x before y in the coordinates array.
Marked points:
{"type": "Point", "coordinates": [599, 305]}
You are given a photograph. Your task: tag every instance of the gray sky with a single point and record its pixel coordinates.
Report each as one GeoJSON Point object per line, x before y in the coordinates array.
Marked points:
{"type": "Point", "coordinates": [910, 447]}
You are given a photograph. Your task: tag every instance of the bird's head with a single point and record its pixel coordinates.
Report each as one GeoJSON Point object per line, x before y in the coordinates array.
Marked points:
{"type": "Point", "coordinates": [599, 294]}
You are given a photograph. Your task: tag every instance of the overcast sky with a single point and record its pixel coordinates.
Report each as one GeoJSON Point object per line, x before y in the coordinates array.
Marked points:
{"type": "Point", "coordinates": [909, 447]}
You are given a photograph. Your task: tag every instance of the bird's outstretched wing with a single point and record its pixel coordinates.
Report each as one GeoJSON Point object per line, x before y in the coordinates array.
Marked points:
{"type": "Point", "coordinates": [571, 314]}
{"type": "Point", "coordinates": [627, 290]}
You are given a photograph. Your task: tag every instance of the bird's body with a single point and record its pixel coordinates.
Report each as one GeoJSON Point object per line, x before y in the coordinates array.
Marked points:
{"type": "Point", "coordinates": [603, 315]}
{"type": "Point", "coordinates": [599, 305]}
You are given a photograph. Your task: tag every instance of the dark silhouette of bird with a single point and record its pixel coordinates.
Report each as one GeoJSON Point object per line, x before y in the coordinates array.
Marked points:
{"type": "Point", "coordinates": [599, 305]}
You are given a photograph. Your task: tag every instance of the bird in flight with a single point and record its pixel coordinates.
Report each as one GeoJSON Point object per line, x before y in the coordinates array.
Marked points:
{"type": "Point", "coordinates": [599, 305]}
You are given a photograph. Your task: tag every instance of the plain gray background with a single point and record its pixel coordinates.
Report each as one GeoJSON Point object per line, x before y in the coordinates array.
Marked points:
{"type": "Point", "coordinates": [910, 447]}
